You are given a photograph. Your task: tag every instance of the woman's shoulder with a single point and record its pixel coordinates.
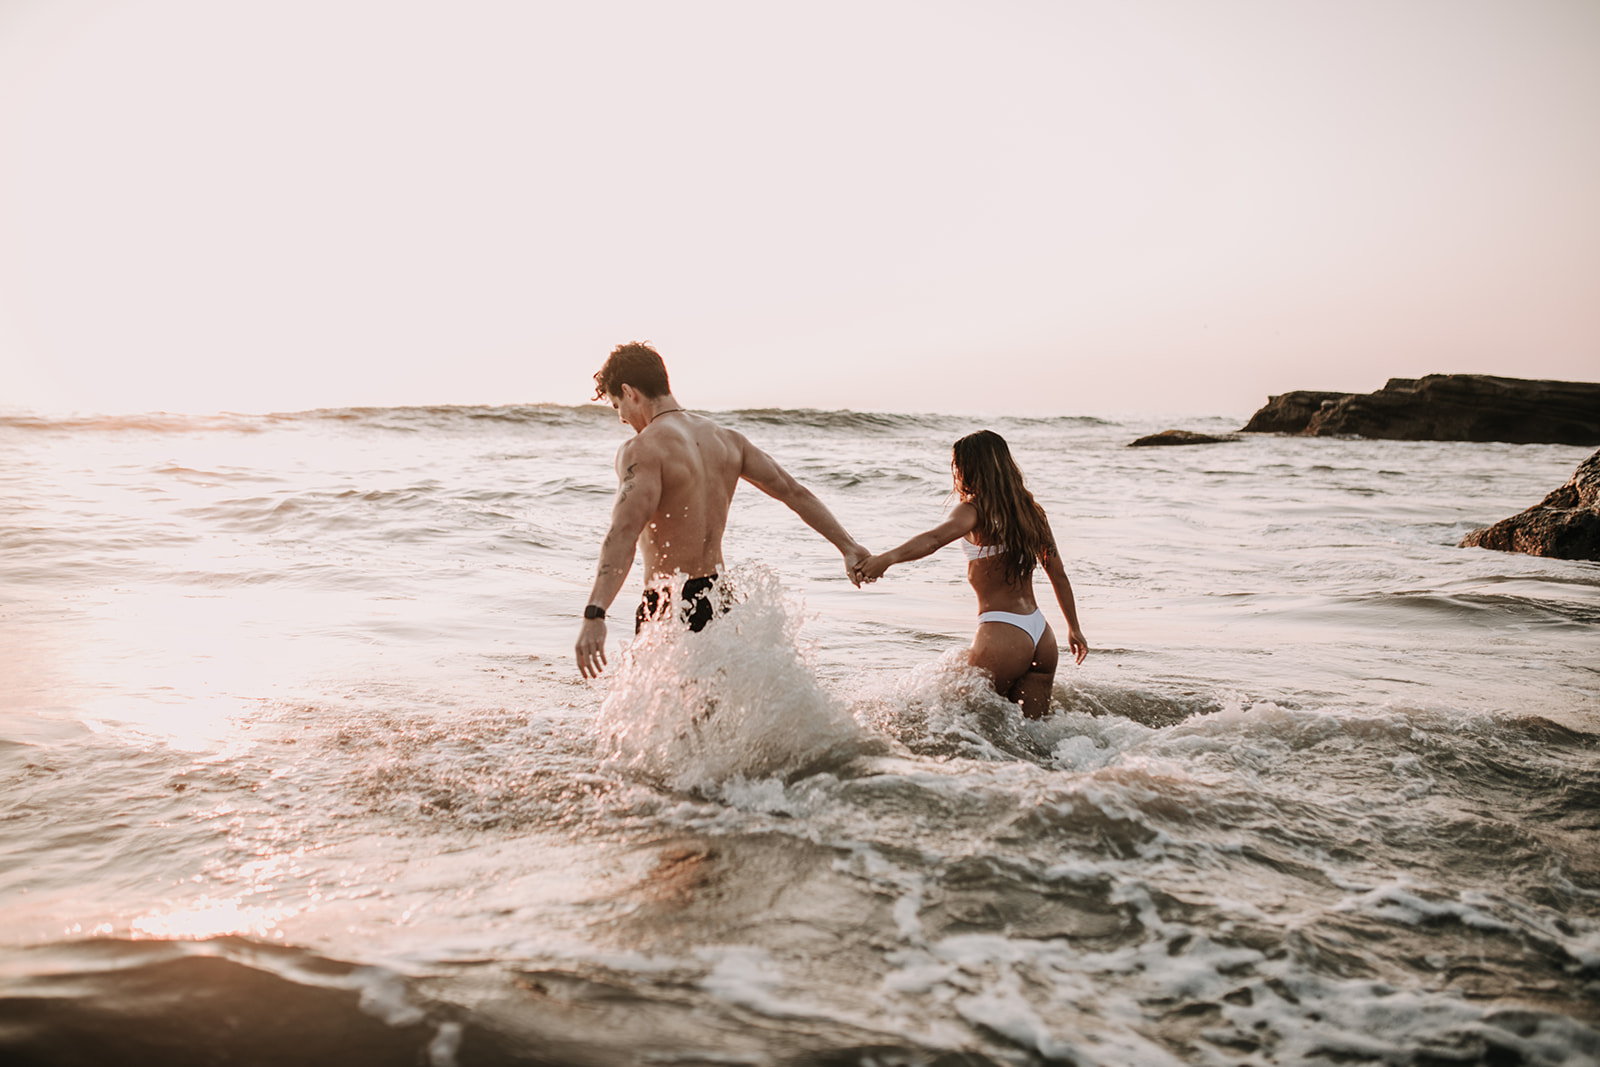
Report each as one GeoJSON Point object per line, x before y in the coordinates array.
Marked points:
{"type": "Point", "coordinates": [964, 514]}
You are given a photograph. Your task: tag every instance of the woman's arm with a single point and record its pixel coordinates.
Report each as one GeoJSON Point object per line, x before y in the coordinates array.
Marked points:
{"type": "Point", "coordinates": [1057, 573]}
{"type": "Point", "coordinates": [962, 518]}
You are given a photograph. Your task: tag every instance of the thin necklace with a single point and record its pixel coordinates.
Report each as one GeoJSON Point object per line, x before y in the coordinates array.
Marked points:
{"type": "Point", "coordinates": [658, 414]}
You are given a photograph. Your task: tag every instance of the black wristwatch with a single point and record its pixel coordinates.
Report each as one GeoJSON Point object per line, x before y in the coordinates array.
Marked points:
{"type": "Point", "coordinates": [593, 611]}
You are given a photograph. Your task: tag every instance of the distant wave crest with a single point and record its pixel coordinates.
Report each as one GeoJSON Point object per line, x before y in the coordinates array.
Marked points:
{"type": "Point", "coordinates": [431, 417]}
{"type": "Point", "coordinates": [867, 422]}
{"type": "Point", "coordinates": [464, 416]}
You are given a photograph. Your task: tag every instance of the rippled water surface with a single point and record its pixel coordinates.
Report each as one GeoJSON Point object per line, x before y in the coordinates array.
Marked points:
{"type": "Point", "coordinates": [297, 766]}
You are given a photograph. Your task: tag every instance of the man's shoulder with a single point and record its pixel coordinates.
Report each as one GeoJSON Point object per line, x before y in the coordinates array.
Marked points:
{"type": "Point", "coordinates": [661, 443]}
{"type": "Point", "coordinates": [638, 449]}
{"type": "Point", "coordinates": [727, 435]}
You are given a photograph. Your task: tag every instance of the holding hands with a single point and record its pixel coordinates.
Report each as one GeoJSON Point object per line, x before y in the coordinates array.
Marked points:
{"type": "Point", "coordinates": [862, 566]}
{"type": "Point", "coordinates": [853, 557]}
{"type": "Point", "coordinates": [870, 569]}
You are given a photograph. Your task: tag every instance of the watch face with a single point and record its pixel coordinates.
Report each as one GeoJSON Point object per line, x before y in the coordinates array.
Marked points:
{"type": "Point", "coordinates": [594, 611]}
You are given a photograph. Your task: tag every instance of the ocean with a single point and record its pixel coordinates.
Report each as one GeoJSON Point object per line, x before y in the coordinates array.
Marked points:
{"type": "Point", "coordinates": [296, 766]}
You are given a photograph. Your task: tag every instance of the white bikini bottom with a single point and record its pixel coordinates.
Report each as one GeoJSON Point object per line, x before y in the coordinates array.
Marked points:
{"type": "Point", "coordinates": [1034, 624]}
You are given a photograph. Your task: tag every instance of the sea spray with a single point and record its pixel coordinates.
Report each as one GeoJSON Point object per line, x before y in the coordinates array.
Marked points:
{"type": "Point", "coordinates": [737, 701]}
{"type": "Point", "coordinates": [948, 708]}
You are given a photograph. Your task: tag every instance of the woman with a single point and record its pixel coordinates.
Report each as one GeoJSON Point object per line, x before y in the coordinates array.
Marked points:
{"type": "Point", "coordinates": [1005, 534]}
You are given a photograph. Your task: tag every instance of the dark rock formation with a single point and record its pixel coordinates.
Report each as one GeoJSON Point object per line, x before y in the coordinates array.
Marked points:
{"type": "Point", "coordinates": [1178, 437]}
{"type": "Point", "coordinates": [1290, 412]}
{"type": "Point", "coordinates": [1564, 525]}
{"type": "Point", "coordinates": [1445, 407]}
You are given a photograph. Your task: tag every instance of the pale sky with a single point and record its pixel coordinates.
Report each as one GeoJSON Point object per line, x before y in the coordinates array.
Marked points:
{"type": "Point", "coordinates": [930, 205]}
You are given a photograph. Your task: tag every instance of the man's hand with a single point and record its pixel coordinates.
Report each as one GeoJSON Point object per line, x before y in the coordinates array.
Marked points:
{"type": "Point", "coordinates": [852, 563]}
{"type": "Point", "coordinates": [591, 647]}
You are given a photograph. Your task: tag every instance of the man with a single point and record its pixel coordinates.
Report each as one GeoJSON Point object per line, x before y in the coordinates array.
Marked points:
{"type": "Point", "coordinates": [676, 478]}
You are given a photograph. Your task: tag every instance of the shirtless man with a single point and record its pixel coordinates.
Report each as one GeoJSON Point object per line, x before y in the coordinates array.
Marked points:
{"type": "Point", "coordinates": [676, 478]}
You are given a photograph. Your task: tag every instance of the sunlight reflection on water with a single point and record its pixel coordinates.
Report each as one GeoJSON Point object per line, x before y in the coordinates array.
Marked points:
{"type": "Point", "coordinates": [211, 918]}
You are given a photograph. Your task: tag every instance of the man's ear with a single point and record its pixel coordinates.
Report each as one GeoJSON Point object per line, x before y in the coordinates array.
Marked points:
{"type": "Point", "coordinates": [628, 392]}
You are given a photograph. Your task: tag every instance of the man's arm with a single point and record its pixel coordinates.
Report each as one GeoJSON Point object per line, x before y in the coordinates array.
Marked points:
{"type": "Point", "coordinates": [638, 493]}
{"type": "Point", "coordinates": [763, 472]}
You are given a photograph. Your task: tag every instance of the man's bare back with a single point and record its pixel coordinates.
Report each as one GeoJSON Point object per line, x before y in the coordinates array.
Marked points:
{"type": "Point", "coordinates": [694, 465]}
{"type": "Point", "coordinates": [676, 479]}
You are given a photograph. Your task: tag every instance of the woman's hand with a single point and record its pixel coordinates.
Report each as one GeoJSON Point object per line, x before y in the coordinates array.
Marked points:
{"type": "Point", "coordinates": [1077, 644]}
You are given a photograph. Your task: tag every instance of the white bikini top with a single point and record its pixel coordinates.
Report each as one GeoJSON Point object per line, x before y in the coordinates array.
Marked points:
{"type": "Point", "coordinates": [980, 551]}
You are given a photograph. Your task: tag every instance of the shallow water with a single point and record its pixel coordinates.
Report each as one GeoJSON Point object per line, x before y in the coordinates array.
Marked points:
{"type": "Point", "coordinates": [291, 731]}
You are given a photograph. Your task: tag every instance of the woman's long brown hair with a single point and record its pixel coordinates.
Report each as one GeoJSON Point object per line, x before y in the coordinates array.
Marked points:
{"type": "Point", "coordinates": [989, 479]}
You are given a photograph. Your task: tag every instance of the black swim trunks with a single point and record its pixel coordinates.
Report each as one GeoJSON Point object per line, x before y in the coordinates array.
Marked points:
{"type": "Point", "coordinates": [702, 598]}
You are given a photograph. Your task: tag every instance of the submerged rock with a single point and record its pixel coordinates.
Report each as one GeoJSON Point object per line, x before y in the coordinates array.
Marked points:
{"type": "Point", "coordinates": [1444, 407]}
{"type": "Point", "coordinates": [1564, 525]}
{"type": "Point", "coordinates": [1178, 437]}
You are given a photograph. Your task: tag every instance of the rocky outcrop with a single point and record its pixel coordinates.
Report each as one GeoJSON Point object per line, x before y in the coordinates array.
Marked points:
{"type": "Point", "coordinates": [1445, 407]}
{"type": "Point", "coordinates": [1564, 525]}
{"type": "Point", "coordinates": [1290, 412]}
{"type": "Point", "coordinates": [1178, 437]}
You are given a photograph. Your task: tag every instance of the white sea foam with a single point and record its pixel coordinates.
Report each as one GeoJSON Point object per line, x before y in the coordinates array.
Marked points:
{"type": "Point", "coordinates": [1399, 902]}
{"type": "Point", "coordinates": [1063, 1003]}
{"type": "Point", "coordinates": [749, 977]}
{"type": "Point", "coordinates": [445, 1044]}
{"type": "Point", "coordinates": [947, 707]}
{"type": "Point", "coordinates": [384, 995]}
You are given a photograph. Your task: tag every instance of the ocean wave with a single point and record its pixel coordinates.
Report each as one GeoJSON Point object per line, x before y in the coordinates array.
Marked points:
{"type": "Point", "coordinates": [409, 419]}
{"type": "Point", "coordinates": [1491, 611]}
{"type": "Point", "coordinates": [149, 422]}
{"type": "Point", "coordinates": [114, 1001]}
{"type": "Point", "coordinates": [465, 416]}
{"type": "Point", "coordinates": [874, 423]}
{"type": "Point", "coordinates": [866, 422]}
{"type": "Point", "coordinates": [436, 417]}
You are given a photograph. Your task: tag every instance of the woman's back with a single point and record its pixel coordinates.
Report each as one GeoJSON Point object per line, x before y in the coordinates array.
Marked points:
{"type": "Point", "coordinates": [992, 580]}
{"type": "Point", "coordinates": [1005, 536]}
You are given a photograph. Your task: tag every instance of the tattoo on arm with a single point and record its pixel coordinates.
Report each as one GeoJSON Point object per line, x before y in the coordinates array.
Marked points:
{"type": "Point", "coordinates": [605, 548]}
{"type": "Point", "coordinates": [627, 484]}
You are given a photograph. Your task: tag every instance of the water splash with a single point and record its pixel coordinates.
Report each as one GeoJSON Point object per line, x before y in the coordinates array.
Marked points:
{"type": "Point", "coordinates": [738, 701]}
{"type": "Point", "coordinates": [950, 708]}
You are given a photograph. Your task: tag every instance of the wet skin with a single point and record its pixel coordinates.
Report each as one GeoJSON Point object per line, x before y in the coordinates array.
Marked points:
{"type": "Point", "coordinates": [675, 481]}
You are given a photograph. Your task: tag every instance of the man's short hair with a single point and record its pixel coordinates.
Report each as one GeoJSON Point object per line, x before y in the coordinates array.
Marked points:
{"type": "Point", "coordinates": [635, 364]}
